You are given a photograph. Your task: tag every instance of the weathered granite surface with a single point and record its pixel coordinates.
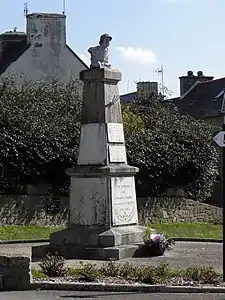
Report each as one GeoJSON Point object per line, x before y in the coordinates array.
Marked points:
{"type": "Point", "coordinates": [15, 272]}
{"type": "Point", "coordinates": [35, 210]}
{"type": "Point", "coordinates": [103, 216]}
{"type": "Point", "coordinates": [170, 209]}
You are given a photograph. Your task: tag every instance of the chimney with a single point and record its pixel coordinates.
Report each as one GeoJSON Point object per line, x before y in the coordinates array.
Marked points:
{"type": "Point", "coordinates": [146, 88]}
{"type": "Point", "coordinates": [46, 29]}
{"type": "Point", "coordinates": [186, 82]}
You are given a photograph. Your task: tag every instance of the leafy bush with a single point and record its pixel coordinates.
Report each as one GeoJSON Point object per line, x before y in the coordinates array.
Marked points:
{"type": "Point", "coordinates": [40, 128]}
{"type": "Point", "coordinates": [128, 271]}
{"type": "Point", "coordinates": [53, 265]}
{"type": "Point", "coordinates": [174, 151]}
{"type": "Point", "coordinates": [203, 274]}
{"type": "Point", "coordinates": [110, 268]}
{"type": "Point", "coordinates": [153, 275]}
{"type": "Point", "coordinates": [146, 275]}
{"type": "Point", "coordinates": [88, 272]}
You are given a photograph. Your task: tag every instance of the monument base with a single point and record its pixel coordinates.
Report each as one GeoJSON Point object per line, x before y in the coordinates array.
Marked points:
{"type": "Point", "coordinates": [94, 243]}
{"type": "Point", "coordinates": [81, 253]}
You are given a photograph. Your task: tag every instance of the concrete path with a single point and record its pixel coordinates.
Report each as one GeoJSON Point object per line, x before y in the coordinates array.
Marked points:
{"type": "Point", "coordinates": [183, 255]}
{"type": "Point", "coordinates": [53, 295]}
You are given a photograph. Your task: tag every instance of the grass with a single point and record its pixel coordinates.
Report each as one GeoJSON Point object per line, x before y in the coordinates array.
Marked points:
{"type": "Point", "coordinates": [193, 230]}
{"type": "Point", "coordinates": [26, 232]}
{"type": "Point", "coordinates": [38, 274]}
{"type": "Point", "coordinates": [190, 230]}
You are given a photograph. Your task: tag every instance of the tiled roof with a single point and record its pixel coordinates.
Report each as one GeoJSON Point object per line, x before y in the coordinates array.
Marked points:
{"type": "Point", "coordinates": [12, 54]}
{"type": "Point", "coordinates": [204, 100]}
{"type": "Point", "coordinates": [126, 98]}
{"type": "Point", "coordinates": [84, 64]}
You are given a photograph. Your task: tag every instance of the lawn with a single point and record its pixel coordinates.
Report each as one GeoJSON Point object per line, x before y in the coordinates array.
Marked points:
{"type": "Point", "coordinates": [194, 230]}
{"type": "Point", "coordinates": [26, 232]}
{"type": "Point", "coordinates": [190, 230]}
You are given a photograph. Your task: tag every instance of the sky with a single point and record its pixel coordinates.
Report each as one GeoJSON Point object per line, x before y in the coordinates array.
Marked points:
{"type": "Point", "coordinates": [181, 35]}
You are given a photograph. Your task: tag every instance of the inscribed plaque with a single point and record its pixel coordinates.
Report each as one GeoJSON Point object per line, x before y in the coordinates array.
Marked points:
{"type": "Point", "coordinates": [117, 154]}
{"type": "Point", "coordinates": [124, 205]}
{"type": "Point", "coordinates": [115, 133]}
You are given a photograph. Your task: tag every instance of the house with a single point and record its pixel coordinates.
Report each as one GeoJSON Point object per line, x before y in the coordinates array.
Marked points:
{"type": "Point", "coordinates": [41, 53]}
{"type": "Point", "coordinates": [143, 88]}
{"type": "Point", "coordinates": [201, 97]}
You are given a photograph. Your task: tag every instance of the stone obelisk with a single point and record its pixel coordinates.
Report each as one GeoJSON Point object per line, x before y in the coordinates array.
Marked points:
{"type": "Point", "coordinates": [103, 219]}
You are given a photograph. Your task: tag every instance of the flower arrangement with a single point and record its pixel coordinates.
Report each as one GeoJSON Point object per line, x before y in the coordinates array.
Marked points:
{"type": "Point", "coordinates": [157, 243]}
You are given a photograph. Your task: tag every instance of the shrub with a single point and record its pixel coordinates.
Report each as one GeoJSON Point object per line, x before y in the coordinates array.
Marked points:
{"type": "Point", "coordinates": [154, 275]}
{"type": "Point", "coordinates": [174, 151]}
{"type": "Point", "coordinates": [128, 271]}
{"type": "Point", "coordinates": [40, 129]}
{"type": "Point", "coordinates": [111, 269]}
{"type": "Point", "coordinates": [88, 272]}
{"type": "Point", "coordinates": [203, 274]}
{"type": "Point", "coordinates": [53, 265]}
{"type": "Point", "coordinates": [146, 275]}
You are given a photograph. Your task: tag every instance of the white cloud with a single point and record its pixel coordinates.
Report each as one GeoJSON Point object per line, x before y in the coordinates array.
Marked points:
{"type": "Point", "coordinates": [84, 57]}
{"type": "Point", "coordinates": [137, 55]}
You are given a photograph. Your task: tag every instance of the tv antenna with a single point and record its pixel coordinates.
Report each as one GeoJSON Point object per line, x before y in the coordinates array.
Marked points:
{"type": "Point", "coordinates": [161, 72]}
{"type": "Point", "coordinates": [25, 9]}
{"type": "Point", "coordinates": [128, 84]}
{"type": "Point", "coordinates": [64, 7]}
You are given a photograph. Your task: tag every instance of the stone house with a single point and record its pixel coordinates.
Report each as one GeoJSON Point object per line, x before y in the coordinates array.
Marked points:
{"type": "Point", "coordinates": [143, 88]}
{"type": "Point", "coordinates": [40, 53]}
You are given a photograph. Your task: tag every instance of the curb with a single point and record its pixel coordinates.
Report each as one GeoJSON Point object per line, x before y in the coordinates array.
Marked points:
{"type": "Point", "coordinates": [143, 288]}
{"type": "Point", "coordinates": [200, 240]}
{"type": "Point", "coordinates": [8, 242]}
{"type": "Point", "coordinates": [176, 239]}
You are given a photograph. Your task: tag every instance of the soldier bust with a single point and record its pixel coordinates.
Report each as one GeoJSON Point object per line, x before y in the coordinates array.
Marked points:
{"type": "Point", "coordinates": [99, 54]}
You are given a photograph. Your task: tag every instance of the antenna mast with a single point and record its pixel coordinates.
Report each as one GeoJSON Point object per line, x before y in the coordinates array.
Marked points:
{"type": "Point", "coordinates": [25, 9]}
{"type": "Point", "coordinates": [128, 83]}
{"type": "Point", "coordinates": [64, 7]}
{"type": "Point", "coordinates": [161, 72]}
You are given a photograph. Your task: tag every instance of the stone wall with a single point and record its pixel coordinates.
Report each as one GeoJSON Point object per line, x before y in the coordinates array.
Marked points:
{"type": "Point", "coordinates": [15, 273]}
{"type": "Point", "coordinates": [45, 211]}
{"type": "Point", "coordinates": [159, 210]}
{"type": "Point", "coordinates": [33, 210]}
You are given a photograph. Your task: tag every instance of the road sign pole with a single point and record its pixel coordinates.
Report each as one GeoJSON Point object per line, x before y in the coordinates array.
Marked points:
{"type": "Point", "coordinates": [223, 195]}
{"type": "Point", "coordinates": [219, 140]}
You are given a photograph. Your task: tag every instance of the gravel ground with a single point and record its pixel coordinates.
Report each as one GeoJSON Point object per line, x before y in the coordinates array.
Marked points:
{"type": "Point", "coordinates": [182, 255]}
{"type": "Point", "coordinates": [116, 280]}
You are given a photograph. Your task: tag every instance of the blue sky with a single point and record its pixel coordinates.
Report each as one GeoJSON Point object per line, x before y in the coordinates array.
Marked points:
{"type": "Point", "coordinates": [181, 35]}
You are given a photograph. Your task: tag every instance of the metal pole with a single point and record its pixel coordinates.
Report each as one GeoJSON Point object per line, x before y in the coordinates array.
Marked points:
{"type": "Point", "coordinates": [162, 80]}
{"type": "Point", "coordinates": [64, 7]}
{"type": "Point", "coordinates": [223, 195]}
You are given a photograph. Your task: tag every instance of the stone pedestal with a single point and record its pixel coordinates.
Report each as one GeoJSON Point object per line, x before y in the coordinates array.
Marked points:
{"type": "Point", "coordinates": [103, 220]}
